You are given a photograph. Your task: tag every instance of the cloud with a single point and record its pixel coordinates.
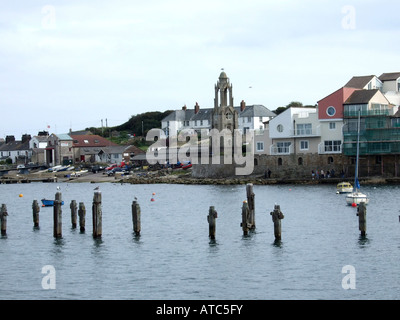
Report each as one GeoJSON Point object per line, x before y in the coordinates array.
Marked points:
{"type": "Point", "coordinates": [135, 56]}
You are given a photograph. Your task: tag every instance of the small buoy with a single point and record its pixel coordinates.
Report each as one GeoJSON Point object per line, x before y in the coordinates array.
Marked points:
{"type": "Point", "coordinates": [152, 199]}
{"type": "Point", "coordinates": [154, 193]}
{"type": "Point", "coordinates": [21, 195]}
{"type": "Point", "coordinates": [43, 205]}
{"type": "Point", "coordinates": [290, 189]}
{"type": "Point", "coordinates": [354, 204]}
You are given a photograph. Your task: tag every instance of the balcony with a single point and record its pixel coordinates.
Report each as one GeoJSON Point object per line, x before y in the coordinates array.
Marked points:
{"type": "Point", "coordinates": [305, 132]}
{"type": "Point", "coordinates": [329, 149]}
{"type": "Point", "coordinates": [276, 150]}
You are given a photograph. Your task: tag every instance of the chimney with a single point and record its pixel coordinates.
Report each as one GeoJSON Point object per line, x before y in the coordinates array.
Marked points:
{"type": "Point", "coordinates": [196, 108]}
{"type": "Point", "coordinates": [10, 139]}
{"type": "Point", "coordinates": [25, 138]}
{"type": "Point", "coordinates": [242, 106]}
{"type": "Point", "coordinates": [184, 108]}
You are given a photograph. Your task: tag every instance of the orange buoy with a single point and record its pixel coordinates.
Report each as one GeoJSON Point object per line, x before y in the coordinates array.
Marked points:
{"type": "Point", "coordinates": [21, 195]}
{"type": "Point", "coordinates": [152, 199]}
{"type": "Point", "coordinates": [354, 204]}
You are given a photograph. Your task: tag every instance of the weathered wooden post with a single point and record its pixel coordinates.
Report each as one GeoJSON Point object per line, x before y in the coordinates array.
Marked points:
{"type": "Point", "coordinates": [245, 218]}
{"type": "Point", "coordinates": [362, 218]}
{"type": "Point", "coordinates": [136, 217]}
{"type": "Point", "coordinates": [57, 216]}
{"type": "Point", "coordinates": [97, 215]}
{"type": "Point", "coordinates": [277, 216]}
{"type": "Point", "coordinates": [82, 215]}
{"type": "Point", "coordinates": [250, 202]}
{"type": "Point", "coordinates": [35, 212]}
{"type": "Point", "coordinates": [73, 207]}
{"type": "Point", "coordinates": [3, 219]}
{"type": "Point", "coordinates": [212, 215]}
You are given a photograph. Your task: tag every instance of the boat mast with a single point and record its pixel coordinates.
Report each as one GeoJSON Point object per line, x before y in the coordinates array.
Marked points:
{"type": "Point", "coordinates": [358, 150]}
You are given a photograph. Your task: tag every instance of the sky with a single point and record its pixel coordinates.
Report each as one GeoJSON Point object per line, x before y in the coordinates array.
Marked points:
{"type": "Point", "coordinates": [73, 64]}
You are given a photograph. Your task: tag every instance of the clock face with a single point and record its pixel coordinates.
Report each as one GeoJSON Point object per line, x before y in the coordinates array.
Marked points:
{"type": "Point", "coordinates": [331, 111]}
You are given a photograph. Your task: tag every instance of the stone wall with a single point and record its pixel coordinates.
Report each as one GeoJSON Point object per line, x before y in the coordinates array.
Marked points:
{"type": "Point", "coordinates": [300, 166]}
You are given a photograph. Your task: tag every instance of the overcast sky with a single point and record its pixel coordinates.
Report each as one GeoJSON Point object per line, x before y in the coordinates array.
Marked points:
{"type": "Point", "coordinates": [73, 63]}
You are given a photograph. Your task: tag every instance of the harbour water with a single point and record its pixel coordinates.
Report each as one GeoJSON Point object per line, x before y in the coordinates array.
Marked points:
{"type": "Point", "coordinates": [174, 258]}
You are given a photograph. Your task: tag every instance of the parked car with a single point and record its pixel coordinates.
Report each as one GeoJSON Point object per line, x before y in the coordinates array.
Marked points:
{"type": "Point", "coordinates": [21, 166]}
{"type": "Point", "coordinates": [116, 169]}
{"type": "Point", "coordinates": [114, 165]}
{"type": "Point", "coordinates": [96, 168]}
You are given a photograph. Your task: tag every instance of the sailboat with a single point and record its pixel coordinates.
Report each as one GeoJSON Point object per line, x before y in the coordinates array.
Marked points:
{"type": "Point", "coordinates": [356, 197]}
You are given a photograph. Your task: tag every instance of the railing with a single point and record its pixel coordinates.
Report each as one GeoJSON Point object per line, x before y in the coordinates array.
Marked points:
{"type": "Point", "coordinates": [323, 149]}
{"type": "Point", "coordinates": [366, 113]}
{"type": "Point", "coordinates": [285, 150]}
{"type": "Point", "coordinates": [306, 132]}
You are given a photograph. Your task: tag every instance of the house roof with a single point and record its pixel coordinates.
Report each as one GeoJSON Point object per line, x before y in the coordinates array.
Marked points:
{"type": "Point", "coordinates": [389, 76]}
{"type": "Point", "coordinates": [361, 96]}
{"type": "Point", "coordinates": [359, 82]}
{"type": "Point", "coordinates": [15, 146]}
{"type": "Point", "coordinates": [63, 136]}
{"type": "Point", "coordinates": [256, 110]}
{"type": "Point", "coordinates": [91, 140]}
{"type": "Point", "coordinates": [133, 149]}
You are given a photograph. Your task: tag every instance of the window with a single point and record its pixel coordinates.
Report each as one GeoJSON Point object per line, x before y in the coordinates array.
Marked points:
{"type": "Point", "coordinates": [304, 129]}
{"type": "Point", "coordinates": [201, 122]}
{"type": "Point", "coordinates": [279, 128]}
{"type": "Point", "coordinates": [332, 145]}
{"type": "Point", "coordinates": [332, 125]}
{"type": "Point", "coordinates": [260, 119]}
{"type": "Point", "coordinates": [279, 161]}
{"type": "Point", "coordinates": [283, 147]}
{"type": "Point", "coordinates": [260, 146]}
{"type": "Point", "coordinates": [86, 141]}
{"type": "Point", "coordinates": [300, 161]}
{"type": "Point", "coordinates": [330, 160]}
{"type": "Point", "coordinates": [228, 115]}
{"type": "Point", "coordinates": [248, 119]}
{"type": "Point", "coordinates": [304, 145]}
{"type": "Point", "coordinates": [331, 111]}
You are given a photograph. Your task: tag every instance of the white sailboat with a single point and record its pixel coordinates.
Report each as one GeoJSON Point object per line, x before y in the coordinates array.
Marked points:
{"type": "Point", "coordinates": [356, 197]}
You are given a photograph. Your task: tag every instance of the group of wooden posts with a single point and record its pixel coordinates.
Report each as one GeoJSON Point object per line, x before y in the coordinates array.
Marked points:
{"type": "Point", "coordinates": [247, 224]}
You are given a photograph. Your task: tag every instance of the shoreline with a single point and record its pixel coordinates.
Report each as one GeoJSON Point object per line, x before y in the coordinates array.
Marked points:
{"type": "Point", "coordinates": [157, 178]}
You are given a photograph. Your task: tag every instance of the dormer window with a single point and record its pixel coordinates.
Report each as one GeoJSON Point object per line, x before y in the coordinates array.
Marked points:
{"type": "Point", "coordinates": [86, 141]}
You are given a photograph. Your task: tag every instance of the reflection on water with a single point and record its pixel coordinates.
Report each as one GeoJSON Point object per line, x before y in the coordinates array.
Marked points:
{"type": "Point", "coordinates": [174, 258]}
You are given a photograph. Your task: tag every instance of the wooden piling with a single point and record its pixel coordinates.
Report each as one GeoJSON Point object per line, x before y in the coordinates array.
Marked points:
{"type": "Point", "coordinates": [277, 216]}
{"type": "Point", "coordinates": [212, 215]}
{"type": "Point", "coordinates": [245, 218]}
{"type": "Point", "coordinates": [82, 215]}
{"type": "Point", "coordinates": [136, 213]}
{"type": "Point", "coordinates": [3, 219]}
{"type": "Point", "coordinates": [57, 216]}
{"type": "Point", "coordinates": [362, 218]}
{"type": "Point", "coordinates": [73, 207]}
{"type": "Point", "coordinates": [251, 204]}
{"type": "Point", "coordinates": [97, 215]}
{"type": "Point", "coordinates": [35, 213]}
